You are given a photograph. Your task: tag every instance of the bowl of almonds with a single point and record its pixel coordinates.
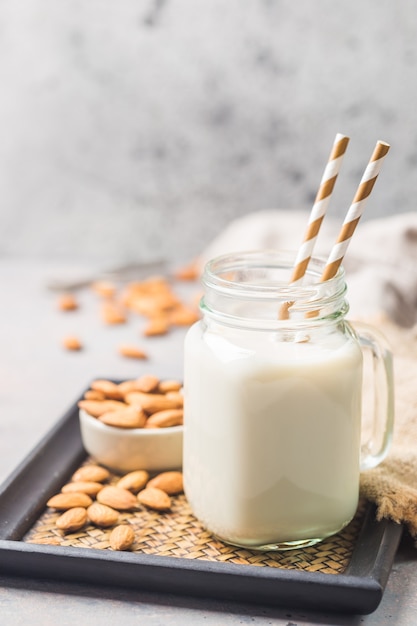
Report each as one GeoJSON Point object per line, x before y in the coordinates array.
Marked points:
{"type": "Point", "coordinates": [135, 424]}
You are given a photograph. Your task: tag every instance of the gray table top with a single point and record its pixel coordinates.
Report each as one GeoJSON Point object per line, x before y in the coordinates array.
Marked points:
{"type": "Point", "coordinates": [39, 381]}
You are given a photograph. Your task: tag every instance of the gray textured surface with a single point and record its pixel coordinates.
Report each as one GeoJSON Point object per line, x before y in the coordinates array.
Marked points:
{"type": "Point", "coordinates": [38, 383]}
{"type": "Point", "coordinates": [141, 128]}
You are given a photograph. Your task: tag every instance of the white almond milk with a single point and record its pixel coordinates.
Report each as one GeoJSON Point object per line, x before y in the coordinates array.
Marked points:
{"type": "Point", "coordinates": [272, 434]}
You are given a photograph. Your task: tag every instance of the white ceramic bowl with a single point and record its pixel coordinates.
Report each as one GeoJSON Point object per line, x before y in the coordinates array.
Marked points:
{"type": "Point", "coordinates": [127, 449]}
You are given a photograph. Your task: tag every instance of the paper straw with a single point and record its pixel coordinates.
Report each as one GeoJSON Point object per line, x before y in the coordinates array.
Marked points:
{"type": "Point", "coordinates": [355, 210]}
{"type": "Point", "coordinates": [320, 205]}
{"type": "Point", "coordinates": [317, 213]}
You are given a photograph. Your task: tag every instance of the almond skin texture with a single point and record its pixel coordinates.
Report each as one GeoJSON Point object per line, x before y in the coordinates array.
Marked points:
{"type": "Point", "coordinates": [97, 407]}
{"type": "Point", "coordinates": [88, 487]}
{"type": "Point", "coordinates": [130, 417]}
{"type": "Point", "coordinates": [93, 473]}
{"type": "Point", "coordinates": [117, 498]}
{"type": "Point", "coordinates": [170, 482]}
{"type": "Point", "coordinates": [134, 481]}
{"type": "Point", "coordinates": [122, 537]}
{"type": "Point", "coordinates": [102, 515]}
{"type": "Point", "coordinates": [65, 501]}
{"type": "Point", "coordinates": [154, 498]}
{"type": "Point", "coordinates": [72, 520]}
{"type": "Point", "coordinates": [165, 419]}
{"type": "Point", "coordinates": [169, 385]}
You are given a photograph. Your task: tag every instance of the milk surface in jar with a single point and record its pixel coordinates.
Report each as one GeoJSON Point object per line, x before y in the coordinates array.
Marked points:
{"type": "Point", "coordinates": [272, 420]}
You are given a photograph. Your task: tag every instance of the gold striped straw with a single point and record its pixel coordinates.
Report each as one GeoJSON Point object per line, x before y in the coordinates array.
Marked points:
{"type": "Point", "coordinates": [317, 213]}
{"type": "Point", "coordinates": [320, 205]}
{"type": "Point", "coordinates": [355, 210]}
{"type": "Point", "coordinates": [354, 214]}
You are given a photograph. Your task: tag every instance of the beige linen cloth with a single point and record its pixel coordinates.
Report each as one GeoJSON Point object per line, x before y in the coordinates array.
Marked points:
{"type": "Point", "coordinates": [381, 275]}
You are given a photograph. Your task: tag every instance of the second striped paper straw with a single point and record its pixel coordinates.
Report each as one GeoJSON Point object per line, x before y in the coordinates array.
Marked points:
{"type": "Point", "coordinates": [355, 210]}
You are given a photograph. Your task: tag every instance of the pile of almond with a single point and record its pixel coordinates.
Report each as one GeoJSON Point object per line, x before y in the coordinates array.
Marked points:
{"type": "Point", "coordinates": [89, 499]}
{"type": "Point", "coordinates": [152, 299]}
{"type": "Point", "coordinates": [145, 402]}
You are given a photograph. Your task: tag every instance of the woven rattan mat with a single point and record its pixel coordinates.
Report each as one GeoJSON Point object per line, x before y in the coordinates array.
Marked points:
{"type": "Point", "coordinates": [178, 534]}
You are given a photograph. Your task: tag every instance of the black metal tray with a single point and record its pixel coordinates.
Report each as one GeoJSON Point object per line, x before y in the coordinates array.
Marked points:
{"type": "Point", "coordinates": [358, 589]}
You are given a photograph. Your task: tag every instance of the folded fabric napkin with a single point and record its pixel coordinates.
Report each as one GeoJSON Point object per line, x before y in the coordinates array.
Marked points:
{"type": "Point", "coordinates": [381, 275]}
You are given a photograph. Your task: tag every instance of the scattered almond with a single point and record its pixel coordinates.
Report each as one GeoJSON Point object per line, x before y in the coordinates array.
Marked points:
{"type": "Point", "coordinates": [154, 498]}
{"type": "Point", "coordinates": [170, 482]}
{"type": "Point", "coordinates": [117, 498]}
{"type": "Point", "coordinates": [72, 520]}
{"type": "Point", "coordinates": [129, 417]}
{"type": "Point", "coordinates": [64, 501]}
{"type": "Point", "coordinates": [102, 515]}
{"type": "Point", "coordinates": [132, 352]}
{"type": "Point", "coordinates": [97, 407]}
{"type": "Point", "coordinates": [104, 288]}
{"type": "Point", "coordinates": [112, 313]}
{"type": "Point", "coordinates": [165, 419]}
{"type": "Point", "coordinates": [88, 487]}
{"type": "Point", "coordinates": [67, 302]}
{"type": "Point", "coordinates": [71, 342]}
{"type": "Point", "coordinates": [122, 537]}
{"type": "Point", "coordinates": [91, 473]}
{"type": "Point", "coordinates": [134, 481]}
{"type": "Point", "coordinates": [156, 326]}
{"type": "Point", "coordinates": [183, 316]}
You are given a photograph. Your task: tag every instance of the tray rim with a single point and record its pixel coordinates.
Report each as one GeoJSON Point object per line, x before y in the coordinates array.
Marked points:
{"type": "Point", "coordinates": [45, 469]}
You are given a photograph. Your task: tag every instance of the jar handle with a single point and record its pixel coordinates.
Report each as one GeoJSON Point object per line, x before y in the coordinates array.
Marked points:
{"type": "Point", "coordinates": [376, 448]}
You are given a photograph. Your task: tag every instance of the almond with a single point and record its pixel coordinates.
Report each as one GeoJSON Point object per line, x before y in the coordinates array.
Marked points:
{"type": "Point", "coordinates": [170, 482]}
{"type": "Point", "coordinates": [134, 481]}
{"type": "Point", "coordinates": [112, 313]}
{"type": "Point", "coordinates": [156, 326]}
{"type": "Point", "coordinates": [122, 537]}
{"type": "Point", "coordinates": [117, 498]}
{"type": "Point", "coordinates": [151, 402]}
{"type": "Point", "coordinates": [130, 417]}
{"type": "Point", "coordinates": [67, 302]}
{"type": "Point", "coordinates": [94, 395]}
{"type": "Point", "coordinates": [91, 473]}
{"type": "Point", "coordinates": [72, 520]}
{"type": "Point", "coordinates": [64, 501]}
{"type": "Point", "coordinates": [165, 419]}
{"type": "Point", "coordinates": [95, 408]}
{"type": "Point", "coordinates": [154, 498]}
{"type": "Point", "coordinates": [102, 515]}
{"type": "Point", "coordinates": [132, 352]}
{"type": "Point", "coordinates": [89, 487]}
{"type": "Point", "coordinates": [71, 342]}
{"type": "Point", "coordinates": [183, 316]}
{"type": "Point", "coordinates": [177, 396]}
{"type": "Point", "coordinates": [110, 389]}
{"type": "Point", "coordinates": [169, 385]}
{"type": "Point", "coordinates": [104, 288]}
{"type": "Point", "coordinates": [147, 383]}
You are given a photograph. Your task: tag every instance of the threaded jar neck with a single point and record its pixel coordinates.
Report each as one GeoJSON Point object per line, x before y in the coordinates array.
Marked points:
{"type": "Point", "coordinates": [249, 289]}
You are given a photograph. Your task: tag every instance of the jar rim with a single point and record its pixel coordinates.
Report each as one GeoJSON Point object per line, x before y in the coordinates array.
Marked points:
{"type": "Point", "coordinates": [263, 276]}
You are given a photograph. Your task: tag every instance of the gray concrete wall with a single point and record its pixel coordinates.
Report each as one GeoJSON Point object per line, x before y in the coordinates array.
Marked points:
{"type": "Point", "coordinates": [138, 129]}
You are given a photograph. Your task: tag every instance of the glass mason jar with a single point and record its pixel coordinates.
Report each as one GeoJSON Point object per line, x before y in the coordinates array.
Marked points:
{"type": "Point", "coordinates": [273, 379]}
